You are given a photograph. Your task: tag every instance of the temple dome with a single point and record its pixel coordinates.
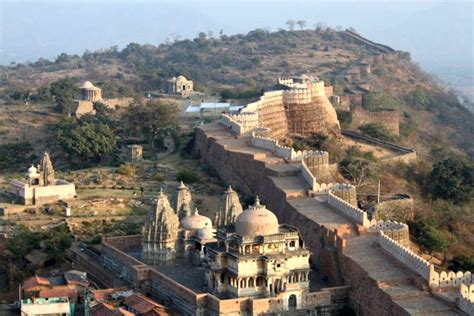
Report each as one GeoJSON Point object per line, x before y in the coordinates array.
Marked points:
{"type": "Point", "coordinates": [195, 221]}
{"type": "Point", "coordinates": [32, 170]}
{"type": "Point", "coordinates": [181, 78]}
{"type": "Point", "coordinates": [256, 221]}
{"type": "Point", "coordinates": [86, 85]}
{"type": "Point", "coordinates": [206, 233]}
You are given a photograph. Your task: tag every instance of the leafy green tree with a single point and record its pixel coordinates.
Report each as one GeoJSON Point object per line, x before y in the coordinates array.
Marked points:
{"type": "Point", "coordinates": [63, 92]}
{"type": "Point", "coordinates": [152, 119]}
{"type": "Point", "coordinates": [23, 242]}
{"type": "Point", "coordinates": [419, 99]}
{"type": "Point", "coordinates": [377, 130]}
{"type": "Point", "coordinates": [16, 155]}
{"type": "Point", "coordinates": [301, 24]}
{"type": "Point", "coordinates": [57, 242]}
{"type": "Point", "coordinates": [345, 118]}
{"type": "Point", "coordinates": [462, 263]}
{"type": "Point", "coordinates": [86, 140]}
{"type": "Point", "coordinates": [451, 179]}
{"type": "Point", "coordinates": [433, 240]}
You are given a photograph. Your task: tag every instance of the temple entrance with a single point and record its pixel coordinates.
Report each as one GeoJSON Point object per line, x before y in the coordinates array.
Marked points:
{"type": "Point", "coordinates": [292, 301]}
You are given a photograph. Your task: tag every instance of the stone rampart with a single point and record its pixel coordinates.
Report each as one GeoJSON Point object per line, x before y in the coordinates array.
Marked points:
{"type": "Point", "coordinates": [273, 146]}
{"type": "Point", "coordinates": [403, 254]}
{"type": "Point", "coordinates": [388, 118]}
{"type": "Point", "coordinates": [403, 154]}
{"type": "Point", "coordinates": [466, 299]}
{"type": "Point", "coordinates": [240, 123]}
{"type": "Point", "coordinates": [393, 229]}
{"type": "Point", "coordinates": [345, 191]}
{"type": "Point", "coordinates": [354, 213]}
{"type": "Point", "coordinates": [449, 278]}
{"type": "Point", "coordinates": [308, 176]}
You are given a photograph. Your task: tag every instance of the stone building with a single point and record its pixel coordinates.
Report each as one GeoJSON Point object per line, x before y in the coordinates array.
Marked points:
{"type": "Point", "coordinates": [134, 153]}
{"type": "Point", "coordinates": [175, 232]}
{"type": "Point", "coordinates": [89, 95]}
{"type": "Point", "coordinates": [40, 185]}
{"type": "Point", "coordinates": [180, 85]}
{"type": "Point", "coordinates": [257, 257]}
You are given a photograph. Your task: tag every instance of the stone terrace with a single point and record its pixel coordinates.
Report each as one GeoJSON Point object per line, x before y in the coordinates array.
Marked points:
{"type": "Point", "coordinates": [380, 284]}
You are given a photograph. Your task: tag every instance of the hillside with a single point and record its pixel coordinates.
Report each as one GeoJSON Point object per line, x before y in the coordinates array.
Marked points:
{"type": "Point", "coordinates": [253, 62]}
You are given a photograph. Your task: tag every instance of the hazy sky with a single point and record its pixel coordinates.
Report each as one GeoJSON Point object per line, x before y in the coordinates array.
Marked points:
{"type": "Point", "coordinates": [437, 33]}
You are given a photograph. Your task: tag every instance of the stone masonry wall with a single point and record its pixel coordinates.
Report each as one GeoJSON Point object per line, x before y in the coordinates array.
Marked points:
{"type": "Point", "coordinates": [248, 175]}
{"type": "Point", "coordinates": [388, 118]}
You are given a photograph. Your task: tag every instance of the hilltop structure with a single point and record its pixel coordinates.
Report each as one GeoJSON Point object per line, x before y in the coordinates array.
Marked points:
{"type": "Point", "coordinates": [40, 185]}
{"type": "Point", "coordinates": [89, 95]}
{"type": "Point", "coordinates": [180, 85]}
{"type": "Point", "coordinates": [301, 107]}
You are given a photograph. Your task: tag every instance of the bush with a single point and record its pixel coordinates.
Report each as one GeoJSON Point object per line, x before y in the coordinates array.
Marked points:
{"type": "Point", "coordinates": [378, 131]}
{"type": "Point", "coordinates": [187, 176]}
{"type": "Point", "coordinates": [159, 177]}
{"type": "Point", "coordinates": [433, 240]}
{"type": "Point", "coordinates": [462, 263]}
{"type": "Point", "coordinates": [345, 118]}
{"type": "Point", "coordinates": [16, 155]}
{"type": "Point", "coordinates": [128, 170]}
{"type": "Point", "coordinates": [451, 179]}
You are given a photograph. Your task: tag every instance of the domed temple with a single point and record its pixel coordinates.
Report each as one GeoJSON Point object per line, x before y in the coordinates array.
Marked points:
{"type": "Point", "coordinates": [250, 254]}
{"type": "Point", "coordinates": [257, 257]}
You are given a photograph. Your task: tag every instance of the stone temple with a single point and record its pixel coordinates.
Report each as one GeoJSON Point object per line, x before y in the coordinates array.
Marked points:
{"type": "Point", "coordinates": [40, 185]}
{"type": "Point", "coordinates": [246, 257]}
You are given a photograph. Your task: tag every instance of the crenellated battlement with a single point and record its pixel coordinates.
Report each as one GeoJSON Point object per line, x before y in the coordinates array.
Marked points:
{"type": "Point", "coordinates": [240, 123]}
{"type": "Point", "coordinates": [353, 212]}
{"type": "Point", "coordinates": [466, 299]}
{"type": "Point", "coordinates": [396, 230]}
{"type": "Point", "coordinates": [403, 254]}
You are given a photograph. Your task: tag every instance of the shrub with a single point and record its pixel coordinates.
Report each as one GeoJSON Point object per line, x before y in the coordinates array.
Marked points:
{"type": "Point", "coordinates": [378, 131]}
{"type": "Point", "coordinates": [433, 240]}
{"type": "Point", "coordinates": [159, 177]}
{"type": "Point", "coordinates": [451, 179]}
{"type": "Point", "coordinates": [127, 170]}
{"type": "Point", "coordinates": [345, 118]}
{"type": "Point", "coordinates": [187, 176]}
{"type": "Point", "coordinates": [462, 263]}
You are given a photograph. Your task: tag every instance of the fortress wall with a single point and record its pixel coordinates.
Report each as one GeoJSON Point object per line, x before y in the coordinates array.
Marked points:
{"type": "Point", "coordinates": [389, 118]}
{"type": "Point", "coordinates": [393, 229]}
{"type": "Point", "coordinates": [271, 113]}
{"type": "Point", "coordinates": [346, 192]}
{"type": "Point", "coordinates": [403, 154]}
{"type": "Point", "coordinates": [466, 299]}
{"type": "Point", "coordinates": [240, 123]}
{"type": "Point", "coordinates": [354, 213]}
{"type": "Point", "coordinates": [248, 176]}
{"type": "Point", "coordinates": [308, 176]}
{"type": "Point", "coordinates": [449, 278]}
{"type": "Point", "coordinates": [406, 256]}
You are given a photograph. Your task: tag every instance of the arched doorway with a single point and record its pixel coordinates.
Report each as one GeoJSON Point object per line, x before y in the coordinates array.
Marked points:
{"type": "Point", "coordinates": [292, 301]}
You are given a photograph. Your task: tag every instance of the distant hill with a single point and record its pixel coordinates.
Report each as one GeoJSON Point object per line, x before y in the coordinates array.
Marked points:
{"type": "Point", "coordinates": [254, 61]}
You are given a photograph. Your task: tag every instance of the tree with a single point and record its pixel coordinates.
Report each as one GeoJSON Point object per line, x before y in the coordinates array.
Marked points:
{"type": "Point", "coordinates": [87, 140]}
{"type": "Point", "coordinates": [320, 26]}
{"type": "Point", "coordinates": [451, 179]}
{"type": "Point", "coordinates": [64, 91]}
{"type": "Point", "coordinates": [301, 23]}
{"type": "Point", "coordinates": [23, 242]}
{"type": "Point", "coordinates": [359, 167]}
{"type": "Point", "coordinates": [433, 240]}
{"type": "Point", "coordinates": [291, 24]}
{"type": "Point", "coordinates": [57, 242]}
{"type": "Point", "coordinates": [377, 130]}
{"type": "Point", "coordinates": [152, 119]}
{"type": "Point", "coordinates": [462, 263]}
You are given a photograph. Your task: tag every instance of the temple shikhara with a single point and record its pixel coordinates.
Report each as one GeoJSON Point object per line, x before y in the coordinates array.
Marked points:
{"type": "Point", "coordinates": [40, 185]}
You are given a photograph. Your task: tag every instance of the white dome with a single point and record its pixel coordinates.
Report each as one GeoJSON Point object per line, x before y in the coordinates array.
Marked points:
{"type": "Point", "coordinates": [205, 233]}
{"type": "Point", "coordinates": [86, 85]}
{"type": "Point", "coordinates": [195, 221]}
{"type": "Point", "coordinates": [256, 221]}
{"type": "Point", "coordinates": [32, 170]}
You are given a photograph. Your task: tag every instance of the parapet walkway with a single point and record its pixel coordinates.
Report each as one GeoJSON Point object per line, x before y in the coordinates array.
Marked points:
{"type": "Point", "coordinates": [393, 279]}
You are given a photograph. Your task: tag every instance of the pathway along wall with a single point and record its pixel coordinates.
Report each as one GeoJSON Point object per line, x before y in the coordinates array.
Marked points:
{"type": "Point", "coordinates": [249, 176]}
